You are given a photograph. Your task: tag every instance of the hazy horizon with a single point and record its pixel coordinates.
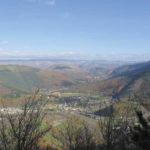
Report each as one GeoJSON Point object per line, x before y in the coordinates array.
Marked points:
{"type": "Point", "coordinates": [79, 56]}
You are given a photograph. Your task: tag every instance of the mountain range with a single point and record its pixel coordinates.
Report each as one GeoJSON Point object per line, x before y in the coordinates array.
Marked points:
{"type": "Point", "coordinates": [94, 76]}
{"type": "Point", "coordinates": [133, 78]}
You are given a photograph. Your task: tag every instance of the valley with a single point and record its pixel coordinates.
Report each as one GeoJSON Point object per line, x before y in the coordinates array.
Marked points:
{"type": "Point", "coordinates": [92, 91]}
{"type": "Point", "coordinates": [84, 88]}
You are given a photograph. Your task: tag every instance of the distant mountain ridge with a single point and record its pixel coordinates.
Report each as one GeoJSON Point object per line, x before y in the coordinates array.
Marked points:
{"type": "Point", "coordinates": [91, 76]}
{"type": "Point", "coordinates": [25, 78]}
{"type": "Point", "coordinates": [133, 77]}
{"type": "Point", "coordinates": [133, 70]}
{"type": "Point", "coordinates": [137, 77]}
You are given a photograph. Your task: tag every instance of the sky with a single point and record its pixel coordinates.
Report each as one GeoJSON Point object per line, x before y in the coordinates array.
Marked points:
{"type": "Point", "coordinates": [75, 28]}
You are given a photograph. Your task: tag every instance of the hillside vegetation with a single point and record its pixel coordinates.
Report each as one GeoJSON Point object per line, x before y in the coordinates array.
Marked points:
{"type": "Point", "coordinates": [135, 78]}
{"type": "Point", "coordinates": [25, 78]}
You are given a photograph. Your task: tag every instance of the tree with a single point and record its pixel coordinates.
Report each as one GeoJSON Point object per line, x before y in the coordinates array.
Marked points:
{"type": "Point", "coordinates": [75, 135]}
{"type": "Point", "coordinates": [114, 128]}
{"type": "Point", "coordinates": [140, 133]}
{"type": "Point", "coordinates": [22, 130]}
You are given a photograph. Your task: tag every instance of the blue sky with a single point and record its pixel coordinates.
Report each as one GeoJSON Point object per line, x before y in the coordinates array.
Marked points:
{"type": "Point", "coordinates": [75, 27]}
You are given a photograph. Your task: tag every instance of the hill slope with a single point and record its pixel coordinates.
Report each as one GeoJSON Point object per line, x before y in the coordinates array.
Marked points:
{"type": "Point", "coordinates": [23, 78]}
{"type": "Point", "coordinates": [135, 77]}
{"type": "Point", "coordinates": [138, 76]}
{"type": "Point", "coordinates": [18, 77]}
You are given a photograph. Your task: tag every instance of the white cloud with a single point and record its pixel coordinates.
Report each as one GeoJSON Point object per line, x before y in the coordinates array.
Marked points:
{"type": "Point", "coordinates": [4, 42]}
{"type": "Point", "coordinates": [66, 15]}
{"type": "Point", "coordinates": [51, 2]}
{"type": "Point", "coordinates": [4, 53]}
{"type": "Point", "coordinates": [32, 0]}
{"type": "Point", "coordinates": [46, 2]}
